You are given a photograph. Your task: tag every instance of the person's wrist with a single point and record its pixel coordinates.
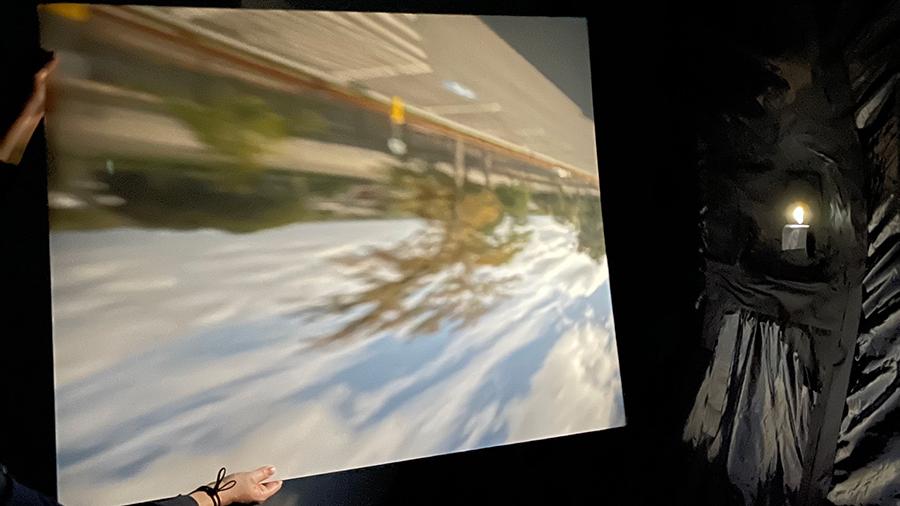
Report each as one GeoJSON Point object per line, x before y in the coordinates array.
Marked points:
{"type": "Point", "coordinates": [201, 498]}
{"type": "Point", "coordinates": [225, 496]}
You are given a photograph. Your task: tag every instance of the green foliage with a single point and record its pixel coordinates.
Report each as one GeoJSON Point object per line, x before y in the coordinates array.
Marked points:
{"type": "Point", "coordinates": [454, 260]}
{"type": "Point", "coordinates": [590, 228]}
{"type": "Point", "coordinates": [515, 199]}
{"type": "Point", "coordinates": [306, 122]}
{"type": "Point", "coordinates": [239, 126]}
{"type": "Point", "coordinates": [177, 195]}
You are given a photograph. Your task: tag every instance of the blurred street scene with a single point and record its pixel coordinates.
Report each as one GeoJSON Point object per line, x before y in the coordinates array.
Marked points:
{"type": "Point", "coordinates": [343, 220]}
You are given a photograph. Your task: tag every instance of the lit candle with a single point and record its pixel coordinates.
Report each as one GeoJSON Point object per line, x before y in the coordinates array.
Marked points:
{"type": "Point", "coordinates": [793, 236]}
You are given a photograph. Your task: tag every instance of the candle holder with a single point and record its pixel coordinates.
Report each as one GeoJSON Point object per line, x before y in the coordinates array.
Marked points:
{"type": "Point", "coordinates": [794, 236]}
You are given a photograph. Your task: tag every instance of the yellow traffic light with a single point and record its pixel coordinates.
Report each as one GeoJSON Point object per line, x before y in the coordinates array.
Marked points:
{"type": "Point", "coordinates": [75, 12]}
{"type": "Point", "coordinates": [398, 111]}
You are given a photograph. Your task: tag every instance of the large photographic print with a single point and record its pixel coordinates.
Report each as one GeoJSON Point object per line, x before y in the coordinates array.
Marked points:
{"type": "Point", "coordinates": [318, 240]}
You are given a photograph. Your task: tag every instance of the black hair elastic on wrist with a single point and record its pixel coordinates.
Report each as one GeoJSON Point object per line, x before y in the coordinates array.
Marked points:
{"type": "Point", "coordinates": [213, 492]}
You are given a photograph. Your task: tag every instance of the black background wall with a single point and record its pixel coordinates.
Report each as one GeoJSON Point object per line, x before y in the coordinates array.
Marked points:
{"type": "Point", "coordinates": [647, 62]}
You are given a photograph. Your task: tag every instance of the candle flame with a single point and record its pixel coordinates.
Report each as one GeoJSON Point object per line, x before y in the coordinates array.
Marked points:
{"type": "Point", "coordinates": [799, 215]}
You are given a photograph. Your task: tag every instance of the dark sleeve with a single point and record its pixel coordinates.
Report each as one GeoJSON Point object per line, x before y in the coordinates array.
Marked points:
{"type": "Point", "coordinates": [13, 493]}
{"type": "Point", "coordinates": [22, 57]}
{"type": "Point", "coordinates": [20, 495]}
{"type": "Point", "coordinates": [179, 500]}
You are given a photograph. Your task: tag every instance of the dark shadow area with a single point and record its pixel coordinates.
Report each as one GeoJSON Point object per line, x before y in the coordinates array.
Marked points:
{"type": "Point", "coordinates": [688, 103]}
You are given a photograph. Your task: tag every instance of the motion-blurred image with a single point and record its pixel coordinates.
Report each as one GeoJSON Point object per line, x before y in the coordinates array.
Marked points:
{"type": "Point", "coordinates": [319, 240]}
